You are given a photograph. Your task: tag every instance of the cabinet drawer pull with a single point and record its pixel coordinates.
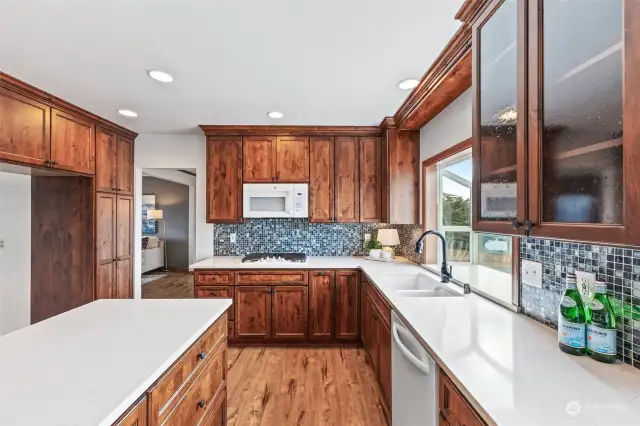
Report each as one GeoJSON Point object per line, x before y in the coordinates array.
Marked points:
{"type": "Point", "coordinates": [201, 404]}
{"type": "Point", "coordinates": [202, 355]}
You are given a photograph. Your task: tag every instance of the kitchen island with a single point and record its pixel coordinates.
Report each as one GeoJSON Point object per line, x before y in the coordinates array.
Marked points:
{"type": "Point", "coordinates": [506, 365]}
{"type": "Point", "coordinates": [123, 362]}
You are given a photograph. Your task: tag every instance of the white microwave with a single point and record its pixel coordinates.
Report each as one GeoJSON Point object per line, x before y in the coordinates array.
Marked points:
{"type": "Point", "coordinates": [275, 200]}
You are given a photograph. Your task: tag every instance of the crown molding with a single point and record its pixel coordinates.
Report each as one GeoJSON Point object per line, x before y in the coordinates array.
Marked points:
{"type": "Point", "coordinates": [223, 130]}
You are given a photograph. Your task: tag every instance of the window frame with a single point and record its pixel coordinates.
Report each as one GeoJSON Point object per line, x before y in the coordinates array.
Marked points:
{"type": "Point", "coordinates": [450, 152]}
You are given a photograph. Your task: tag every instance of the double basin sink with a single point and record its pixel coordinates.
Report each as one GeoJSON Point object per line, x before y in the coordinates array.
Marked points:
{"type": "Point", "coordinates": [421, 285]}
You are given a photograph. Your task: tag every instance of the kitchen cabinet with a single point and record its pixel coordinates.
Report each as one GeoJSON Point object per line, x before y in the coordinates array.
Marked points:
{"type": "Point", "coordinates": [347, 313]}
{"type": "Point", "coordinates": [25, 131]}
{"type": "Point", "coordinates": [321, 179]}
{"type": "Point", "coordinates": [253, 312]}
{"type": "Point", "coordinates": [292, 159]}
{"type": "Point", "coordinates": [370, 179]}
{"type": "Point", "coordinates": [124, 169]}
{"type": "Point", "coordinates": [136, 416]}
{"type": "Point", "coordinates": [289, 312]}
{"type": "Point", "coordinates": [554, 142]}
{"type": "Point", "coordinates": [321, 304]}
{"type": "Point", "coordinates": [347, 182]}
{"type": "Point", "coordinates": [224, 179]}
{"type": "Point", "coordinates": [454, 408]}
{"type": "Point", "coordinates": [72, 143]}
{"type": "Point", "coordinates": [259, 163]}
{"type": "Point", "coordinates": [106, 160]}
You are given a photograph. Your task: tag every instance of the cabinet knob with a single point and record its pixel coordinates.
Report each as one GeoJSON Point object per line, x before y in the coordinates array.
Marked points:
{"type": "Point", "coordinates": [516, 224]}
{"type": "Point", "coordinates": [201, 404]}
{"type": "Point", "coordinates": [528, 226]}
{"type": "Point", "coordinates": [202, 355]}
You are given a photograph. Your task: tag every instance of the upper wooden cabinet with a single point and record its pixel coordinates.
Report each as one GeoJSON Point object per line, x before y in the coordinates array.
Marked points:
{"type": "Point", "coordinates": [292, 159]}
{"type": "Point", "coordinates": [24, 132]}
{"type": "Point", "coordinates": [106, 160]}
{"type": "Point", "coordinates": [124, 170]}
{"type": "Point", "coordinates": [555, 139]}
{"type": "Point", "coordinates": [259, 162]}
{"type": "Point", "coordinates": [224, 179]}
{"type": "Point", "coordinates": [370, 180]}
{"type": "Point", "coordinates": [321, 180]}
{"type": "Point", "coordinates": [72, 143]}
{"type": "Point", "coordinates": [347, 179]}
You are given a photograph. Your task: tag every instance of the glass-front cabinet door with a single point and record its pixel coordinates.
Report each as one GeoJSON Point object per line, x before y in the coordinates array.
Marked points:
{"type": "Point", "coordinates": [584, 108]}
{"type": "Point", "coordinates": [499, 118]}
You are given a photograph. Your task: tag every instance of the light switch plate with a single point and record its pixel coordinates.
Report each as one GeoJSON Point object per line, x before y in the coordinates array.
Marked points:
{"type": "Point", "coordinates": [586, 285]}
{"type": "Point", "coordinates": [232, 238]}
{"type": "Point", "coordinates": [367, 237]}
{"type": "Point", "coordinates": [532, 273]}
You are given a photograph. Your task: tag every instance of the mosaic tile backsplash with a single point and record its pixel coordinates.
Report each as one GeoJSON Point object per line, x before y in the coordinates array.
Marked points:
{"type": "Point", "coordinates": [313, 239]}
{"type": "Point", "coordinates": [618, 267]}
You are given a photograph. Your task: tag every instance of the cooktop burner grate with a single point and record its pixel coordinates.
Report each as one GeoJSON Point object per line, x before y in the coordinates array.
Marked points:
{"type": "Point", "coordinates": [275, 257]}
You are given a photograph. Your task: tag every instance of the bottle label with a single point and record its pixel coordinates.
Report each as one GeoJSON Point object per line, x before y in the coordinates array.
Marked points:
{"type": "Point", "coordinates": [571, 333]}
{"type": "Point", "coordinates": [596, 305]}
{"type": "Point", "coordinates": [601, 340]}
{"type": "Point", "coordinates": [568, 302]}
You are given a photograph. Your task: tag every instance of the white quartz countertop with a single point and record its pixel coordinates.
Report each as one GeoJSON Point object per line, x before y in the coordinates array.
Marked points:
{"type": "Point", "coordinates": [88, 366]}
{"type": "Point", "coordinates": [509, 365]}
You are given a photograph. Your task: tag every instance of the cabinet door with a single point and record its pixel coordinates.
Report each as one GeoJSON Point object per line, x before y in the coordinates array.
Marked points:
{"type": "Point", "coordinates": [347, 181]}
{"type": "Point", "coordinates": [384, 360]}
{"type": "Point", "coordinates": [106, 160]}
{"type": "Point", "coordinates": [106, 281]}
{"type": "Point", "coordinates": [136, 416]}
{"type": "Point", "coordinates": [24, 133]}
{"type": "Point", "coordinates": [72, 143]}
{"type": "Point", "coordinates": [321, 304]}
{"type": "Point", "coordinates": [370, 332]}
{"type": "Point", "coordinates": [370, 180]}
{"type": "Point", "coordinates": [224, 179]}
{"type": "Point", "coordinates": [124, 225]}
{"type": "Point", "coordinates": [253, 312]}
{"type": "Point", "coordinates": [347, 320]}
{"type": "Point", "coordinates": [125, 166]}
{"type": "Point", "coordinates": [124, 279]}
{"type": "Point", "coordinates": [292, 159]}
{"type": "Point", "coordinates": [259, 162]}
{"type": "Point", "coordinates": [106, 228]}
{"type": "Point", "coordinates": [290, 312]}
{"type": "Point", "coordinates": [583, 122]}
{"type": "Point", "coordinates": [321, 177]}
{"type": "Point", "coordinates": [225, 292]}
{"type": "Point", "coordinates": [499, 120]}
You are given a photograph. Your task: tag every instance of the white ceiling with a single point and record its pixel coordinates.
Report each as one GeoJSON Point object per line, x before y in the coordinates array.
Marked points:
{"type": "Point", "coordinates": [320, 62]}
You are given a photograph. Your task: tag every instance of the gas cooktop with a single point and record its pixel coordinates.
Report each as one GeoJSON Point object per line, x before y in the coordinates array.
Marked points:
{"type": "Point", "coordinates": [275, 258]}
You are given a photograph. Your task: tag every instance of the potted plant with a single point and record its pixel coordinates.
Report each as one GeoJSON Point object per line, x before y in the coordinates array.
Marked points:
{"type": "Point", "coordinates": [374, 247]}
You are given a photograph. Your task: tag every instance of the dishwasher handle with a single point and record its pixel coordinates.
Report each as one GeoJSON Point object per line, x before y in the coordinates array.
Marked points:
{"type": "Point", "coordinates": [406, 352]}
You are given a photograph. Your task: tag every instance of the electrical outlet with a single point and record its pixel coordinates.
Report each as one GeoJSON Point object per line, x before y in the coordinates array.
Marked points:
{"type": "Point", "coordinates": [232, 238]}
{"type": "Point", "coordinates": [367, 237]}
{"type": "Point", "coordinates": [1, 243]}
{"type": "Point", "coordinates": [532, 273]}
{"type": "Point", "coordinates": [586, 285]}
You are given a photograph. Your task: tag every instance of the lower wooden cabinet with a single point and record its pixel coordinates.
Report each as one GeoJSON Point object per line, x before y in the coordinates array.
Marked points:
{"type": "Point", "coordinates": [290, 312]}
{"type": "Point", "coordinates": [321, 304]}
{"type": "Point", "coordinates": [454, 408]}
{"type": "Point", "coordinates": [193, 391]}
{"type": "Point", "coordinates": [253, 312]}
{"type": "Point", "coordinates": [347, 317]}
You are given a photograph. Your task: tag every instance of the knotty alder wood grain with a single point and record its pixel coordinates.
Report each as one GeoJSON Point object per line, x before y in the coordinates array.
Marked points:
{"type": "Point", "coordinates": [292, 159]}
{"type": "Point", "coordinates": [347, 320]}
{"type": "Point", "coordinates": [321, 304]}
{"type": "Point", "coordinates": [370, 180]}
{"type": "Point", "coordinates": [301, 387]}
{"type": "Point", "coordinates": [224, 179]}
{"type": "Point", "coordinates": [321, 179]}
{"type": "Point", "coordinates": [289, 312]}
{"type": "Point", "coordinates": [347, 201]}
{"type": "Point", "coordinates": [106, 160]}
{"type": "Point", "coordinates": [72, 143]}
{"type": "Point", "coordinates": [259, 162]}
{"type": "Point", "coordinates": [124, 179]}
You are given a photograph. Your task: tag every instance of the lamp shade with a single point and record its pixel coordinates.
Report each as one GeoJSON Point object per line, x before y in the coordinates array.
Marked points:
{"type": "Point", "coordinates": [388, 237]}
{"type": "Point", "coordinates": [154, 214]}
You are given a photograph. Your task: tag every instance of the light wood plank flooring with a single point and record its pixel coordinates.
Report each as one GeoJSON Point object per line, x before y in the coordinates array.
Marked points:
{"type": "Point", "coordinates": [302, 387]}
{"type": "Point", "coordinates": [176, 285]}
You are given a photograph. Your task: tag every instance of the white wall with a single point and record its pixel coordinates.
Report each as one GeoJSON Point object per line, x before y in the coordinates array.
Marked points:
{"type": "Point", "coordinates": [15, 259]}
{"type": "Point", "coordinates": [172, 152]}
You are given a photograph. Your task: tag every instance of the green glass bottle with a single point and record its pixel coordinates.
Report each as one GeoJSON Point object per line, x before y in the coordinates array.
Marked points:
{"type": "Point", "coordinates": [572, 320]}
{"type": "Point", "coordinates": [601, 328]}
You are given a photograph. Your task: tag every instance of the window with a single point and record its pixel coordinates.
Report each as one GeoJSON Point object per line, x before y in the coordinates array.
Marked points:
{"type": "Point", "coordinates": [484, 261]}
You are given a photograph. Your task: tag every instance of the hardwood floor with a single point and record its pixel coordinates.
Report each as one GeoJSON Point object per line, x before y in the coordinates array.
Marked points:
{"type": "Point", "coordinates": [176, 285]}
{"type": "Point", "coordinates": [302, 387]}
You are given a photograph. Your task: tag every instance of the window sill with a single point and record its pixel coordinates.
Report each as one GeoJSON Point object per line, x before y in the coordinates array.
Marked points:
{"type": "Point", "coordinates": [492, 284]}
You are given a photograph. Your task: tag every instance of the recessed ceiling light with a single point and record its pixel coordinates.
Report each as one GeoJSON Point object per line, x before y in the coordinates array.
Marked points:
{"type": "Point", "coordinates": [127, 113]}
{"type": "Point", "coordinates": [408, 84]}
{"type": "Point", "coordinates": [160, 76]}
{"type": "Point", "coordinates": [275, 114]}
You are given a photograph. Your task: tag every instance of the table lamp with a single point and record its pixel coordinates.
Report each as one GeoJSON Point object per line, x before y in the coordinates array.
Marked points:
{"type": "Point", "coordinates": [158, 215]}
{"type": "Point", "coordinates": [388, 237]}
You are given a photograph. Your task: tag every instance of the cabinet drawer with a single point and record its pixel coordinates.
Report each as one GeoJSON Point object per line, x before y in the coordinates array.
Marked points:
{"type": "Point", "coordinates": [454, 406]}
{"type": "Point", "coordinates": [222, 292]}
{"type": "Point", "coordinates": [217, 415]}
{"type": "Point", "coordinates": [383, 307]}
{"type": "Point", "coordinates": [271, 277]}
{"type": "Point", "coordinates": [171, 387]}
{"type": "Point", "coordinates": [200, 397]}
{"type": "Point", "coordinates": [214, 278]}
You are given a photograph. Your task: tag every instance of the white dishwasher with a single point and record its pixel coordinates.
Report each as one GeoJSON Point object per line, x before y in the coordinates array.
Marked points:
{"type": "Point", "coordinates": [413, 374]}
